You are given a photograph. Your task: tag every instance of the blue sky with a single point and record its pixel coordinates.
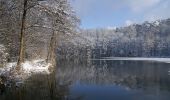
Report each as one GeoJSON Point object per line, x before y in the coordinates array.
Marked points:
{"type": "Point", "coordinates": [117, 13]}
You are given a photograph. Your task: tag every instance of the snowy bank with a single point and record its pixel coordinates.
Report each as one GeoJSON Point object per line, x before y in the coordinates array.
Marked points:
{"type": "Point", "coordinates": [165, 60]}
{"type": "Point", "coordinates": [27, 69]}
{"type": "Point", "coordinates": [36, 66]}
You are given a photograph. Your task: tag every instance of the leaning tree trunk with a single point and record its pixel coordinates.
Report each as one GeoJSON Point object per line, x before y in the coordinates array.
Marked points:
{"type": "Point", "coordinates": [22, 37]}
{"type": "Point", "coordinates": [51, 57]}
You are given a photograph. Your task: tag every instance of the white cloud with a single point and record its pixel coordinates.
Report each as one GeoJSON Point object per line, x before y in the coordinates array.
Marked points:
{"type": "Point", "coordinates": [129, 22]}
{"type": "Point", "coordinates": [86, 7]}
{"type": "Point", "coordinates": [159, 12]}
{"type": "Point", "coordinates": [139, 5]}
{"type": "Point", "coordinates": [83, 7]}
{"type": "Point", "coordinates": [138, 10]}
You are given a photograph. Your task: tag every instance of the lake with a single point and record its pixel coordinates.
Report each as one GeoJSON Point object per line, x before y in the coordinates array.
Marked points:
{"type": "Point", "coordinates": [97, 80]}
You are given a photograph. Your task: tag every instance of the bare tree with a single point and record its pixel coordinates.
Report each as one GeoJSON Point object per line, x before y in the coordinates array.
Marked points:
{"type": "Point", "coordinates": [22, 36]}
{"type": "Point", "coordinates": [36, 23]}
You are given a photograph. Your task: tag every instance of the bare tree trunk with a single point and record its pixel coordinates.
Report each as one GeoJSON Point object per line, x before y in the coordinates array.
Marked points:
{"type": "Point", "coordinates": [51, 58]}
{"type": "Point", "coordinates": [22, 37]}
{"type": "Point", "coordinates": [50, 48]}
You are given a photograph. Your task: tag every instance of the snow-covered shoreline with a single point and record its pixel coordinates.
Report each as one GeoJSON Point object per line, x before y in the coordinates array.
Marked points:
{"type": "Point", "coordinates": [28, 68]}
{"type": "Point", "coordinates": [164, 60]}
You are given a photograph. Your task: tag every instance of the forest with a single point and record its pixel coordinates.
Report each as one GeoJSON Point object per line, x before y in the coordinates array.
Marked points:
{"type": "Point", "coordinates": [44, 22]}
{"type": "Point", "coordinates": [44, 37]}
{"type": "Point", "coordinates": [31, 29]}
{"type": "Point", "coordinates": [150, 39]}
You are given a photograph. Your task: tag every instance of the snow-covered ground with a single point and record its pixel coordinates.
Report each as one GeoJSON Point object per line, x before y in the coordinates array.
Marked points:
{"type": "Point", "coordinates": [36, 66]}
{"type": "Point", "coordinates": [165, 60]}
{"type": "Point", "coordinates": [28, 68]}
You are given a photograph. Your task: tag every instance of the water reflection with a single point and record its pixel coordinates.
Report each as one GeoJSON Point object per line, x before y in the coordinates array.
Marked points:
{"type": "Point", "coordinates": [100, 80]}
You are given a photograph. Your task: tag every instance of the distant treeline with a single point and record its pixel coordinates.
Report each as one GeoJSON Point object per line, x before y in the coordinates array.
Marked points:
{"type": "Point", "coordinates": [150, 39]}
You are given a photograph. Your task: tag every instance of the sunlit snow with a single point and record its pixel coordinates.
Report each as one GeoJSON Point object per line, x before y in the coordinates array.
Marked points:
{"type": "Point", "coordinates": [164, 60]}
{"type": "Point", "coordinates": [28, 68]}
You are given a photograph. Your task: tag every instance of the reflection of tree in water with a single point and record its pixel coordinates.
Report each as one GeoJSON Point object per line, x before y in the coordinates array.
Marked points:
{"type": "Point", "coordinates": [149, 77]}
{"type": "Point", "coordinates": [38, 87]}
{"type": "Point", "coordinates": [134, 75]}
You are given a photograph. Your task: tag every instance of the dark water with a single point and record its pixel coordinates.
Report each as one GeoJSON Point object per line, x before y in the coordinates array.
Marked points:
{"type": "Point", "coordinates": [100, 80]}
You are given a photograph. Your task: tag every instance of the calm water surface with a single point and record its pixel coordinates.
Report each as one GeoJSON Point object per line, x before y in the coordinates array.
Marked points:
{"type": "Point", "coordinates": [100, 80]}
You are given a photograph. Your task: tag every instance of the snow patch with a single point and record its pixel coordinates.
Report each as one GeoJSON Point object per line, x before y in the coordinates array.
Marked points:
{"type": "Point", "coordinates": [156, 23]}
{"type": "Point", "coordinates": [28, 68]}
{"type": "Point", "coordinates": [165, 60]}
{"type": "Point", "coordinates": [36, 66]}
